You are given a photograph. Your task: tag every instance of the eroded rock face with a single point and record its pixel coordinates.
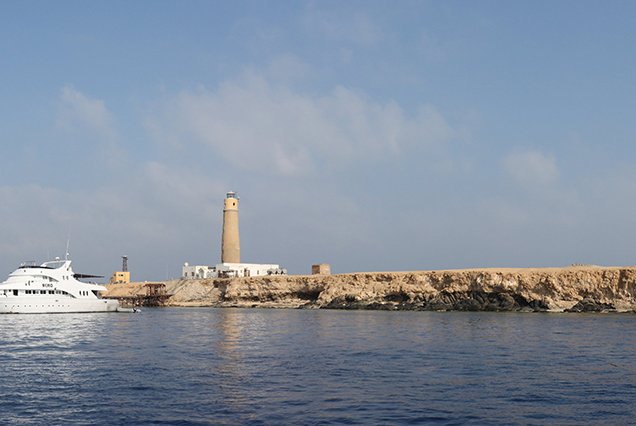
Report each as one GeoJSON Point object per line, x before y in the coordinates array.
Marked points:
{"type": "Point", "coordinates": [591, 305]}
{"type": "Point", "coordinates": [575, 289]}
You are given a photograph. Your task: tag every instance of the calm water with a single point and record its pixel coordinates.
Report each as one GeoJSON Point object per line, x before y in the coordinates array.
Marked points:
{"type": "Point", "coordinates": [253, 366]}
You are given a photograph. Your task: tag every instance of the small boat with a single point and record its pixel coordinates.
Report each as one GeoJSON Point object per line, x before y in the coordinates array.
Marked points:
{"type": "Point", "coordinates": [51, 287]}
{"type": "Point", "coordinates": [134, 310]}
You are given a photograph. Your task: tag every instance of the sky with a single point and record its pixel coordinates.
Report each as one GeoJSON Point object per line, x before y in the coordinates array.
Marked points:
{"type": "Point", "coordinates": [371, 135]}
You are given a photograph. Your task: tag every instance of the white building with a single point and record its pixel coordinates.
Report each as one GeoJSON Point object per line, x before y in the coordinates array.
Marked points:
{"type": "Point", "coordinates": [247, 270]}
{"type": "Point", "coordinates": [228, 270]}
{"type": "Point", "coordinates": [197, 272]}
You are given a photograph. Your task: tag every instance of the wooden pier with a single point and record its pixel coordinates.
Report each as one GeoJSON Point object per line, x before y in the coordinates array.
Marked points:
{"type": "Point", "coordinates": [155, 295]}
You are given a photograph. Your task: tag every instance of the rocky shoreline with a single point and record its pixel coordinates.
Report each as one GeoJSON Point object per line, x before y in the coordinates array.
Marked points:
{"type": "Point", "coordinates": [571, 289]}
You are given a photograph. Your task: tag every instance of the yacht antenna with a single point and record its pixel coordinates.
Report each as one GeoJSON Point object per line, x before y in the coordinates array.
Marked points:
{"type": "Point", "coordinates": [68, 243]}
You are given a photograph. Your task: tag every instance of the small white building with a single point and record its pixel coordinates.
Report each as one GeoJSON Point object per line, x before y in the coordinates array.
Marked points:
{"type": "Point", "coordinates": [228, 270]}
{"type": "Point", "coordinates": [225, 270]}
{"type": "Point", "coordinates": [197, 272]}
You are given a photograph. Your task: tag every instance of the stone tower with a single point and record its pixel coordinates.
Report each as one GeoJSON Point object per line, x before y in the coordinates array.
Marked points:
{"type": "Point", "coordinates": [230, 246]}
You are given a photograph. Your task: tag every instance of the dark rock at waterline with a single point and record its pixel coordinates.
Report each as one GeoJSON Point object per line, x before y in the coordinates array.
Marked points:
{"type": "Point", "coordinates": [591, 305]}
{"type": "Point", "coordinates": [469, 304]}
{"type": "Point", "coordinates": [437, 305]}
{"type": "Point", "coordinates": [376, 306]}
{"type": "Point", "coordinates": [483, 301]}
{"type": "Point", "coordinates": [398, 296]}
{"type": "Point", "coordinates": [345, 302]}
{"type": "Point", "coordinates": [538, 306]}
{"type": "Point", "coordinates": [408, 306]}
{"type": "Point", "coordinates": [444, 301]}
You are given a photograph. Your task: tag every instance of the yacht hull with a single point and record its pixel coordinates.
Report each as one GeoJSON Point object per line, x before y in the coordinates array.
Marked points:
{"type": "Point", "coordinates": [30, 305]}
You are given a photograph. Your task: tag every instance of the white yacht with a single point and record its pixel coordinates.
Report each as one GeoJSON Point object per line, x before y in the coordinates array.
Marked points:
{"type": "Point", "coordinates": [51, 287]}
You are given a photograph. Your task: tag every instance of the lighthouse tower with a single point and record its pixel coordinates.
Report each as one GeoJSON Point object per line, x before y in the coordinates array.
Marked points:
{"type": "Point", "coordinates": [230, 246]}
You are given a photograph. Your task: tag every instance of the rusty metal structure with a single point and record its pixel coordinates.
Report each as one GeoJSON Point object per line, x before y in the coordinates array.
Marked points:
{"type": "Point", "coordinates": [155, 295]}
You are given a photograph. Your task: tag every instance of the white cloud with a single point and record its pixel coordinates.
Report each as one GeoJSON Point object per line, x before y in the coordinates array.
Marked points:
{"type": "Point", "coordinates": [78, 112]}
{"type": "Point", "coordinates": [88, 124]}
{"type": "Point", "coordinates": [255, 125]}
{"type": "Point", "coordinates": [531, 168]}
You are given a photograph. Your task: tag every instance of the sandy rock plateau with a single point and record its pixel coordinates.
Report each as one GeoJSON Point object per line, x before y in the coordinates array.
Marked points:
{"type": "Point", "coordinates": [572, 289]}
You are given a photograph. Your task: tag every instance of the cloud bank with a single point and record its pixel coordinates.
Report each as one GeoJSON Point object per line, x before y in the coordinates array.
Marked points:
{"type": "Point", "coordinates": [257, 126]}
{"type": "Point", "coordinates": [279, 147]}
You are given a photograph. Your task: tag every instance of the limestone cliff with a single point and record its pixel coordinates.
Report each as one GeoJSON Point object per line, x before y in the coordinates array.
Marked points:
{"type": "Point", "coordinates": [552, 289]}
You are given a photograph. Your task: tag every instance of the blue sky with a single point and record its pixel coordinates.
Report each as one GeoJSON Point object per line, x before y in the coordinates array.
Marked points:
{"type": "Point", "coordinates": [369, 135]}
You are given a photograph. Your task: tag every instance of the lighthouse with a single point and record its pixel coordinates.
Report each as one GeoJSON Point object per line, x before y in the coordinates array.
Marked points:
{"type": "Point", "coordinates": [230, 266]}
{"type": "Point", "coordinates": [230, 246]}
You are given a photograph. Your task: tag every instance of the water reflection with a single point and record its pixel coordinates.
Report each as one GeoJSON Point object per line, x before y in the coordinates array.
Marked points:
{"type": "Point", "coordinates": [60, 332]}
{"type": "Point", "coordinates": [231, 367]}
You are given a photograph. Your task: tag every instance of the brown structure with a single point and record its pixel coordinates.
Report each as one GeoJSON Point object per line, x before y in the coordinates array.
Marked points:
{"type": "Point", "coordinates": [120, 277]}
{"type": "Point", "coordinates": [123, 276]}
{"type": "Point", "coordinates": [321, 269]}
{"type": "Point", "coordinates": [230, 245]}
{"type": "Point", "coordinates": [155, 295]}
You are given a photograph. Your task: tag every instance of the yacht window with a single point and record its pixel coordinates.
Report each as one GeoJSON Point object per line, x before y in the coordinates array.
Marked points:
{"type": "Point", "coordinates": [51, 292]}
{"type": "Point", "coordinates": [15, 292]}
{"type": "Point", "coordinates": [27, 291]}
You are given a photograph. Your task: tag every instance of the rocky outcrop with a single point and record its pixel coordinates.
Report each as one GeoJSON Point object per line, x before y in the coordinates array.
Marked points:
{"type": "Point", "coordinates": [591, 305]}
{"type": "Point", "coordinates": [573, 289]}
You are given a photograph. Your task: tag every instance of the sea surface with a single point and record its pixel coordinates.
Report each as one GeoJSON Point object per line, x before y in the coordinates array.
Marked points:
{"type": "Point", "coordinates": [202, 366]}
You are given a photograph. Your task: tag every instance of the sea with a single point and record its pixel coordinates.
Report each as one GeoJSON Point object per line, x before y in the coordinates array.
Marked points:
{"type": "Point", "coordinates": [202, 366]}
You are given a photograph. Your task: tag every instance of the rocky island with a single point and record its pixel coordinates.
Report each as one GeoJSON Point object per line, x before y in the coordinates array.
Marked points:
{"type": "Point", "coordinates": [570, 289]}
